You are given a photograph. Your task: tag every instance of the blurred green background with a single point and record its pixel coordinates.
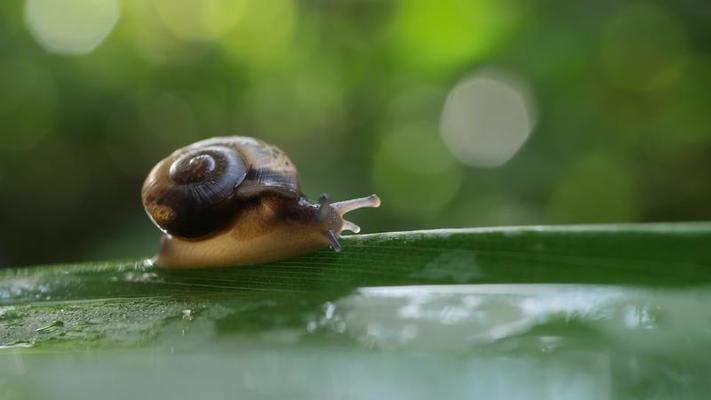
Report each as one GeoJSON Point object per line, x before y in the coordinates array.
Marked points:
{"type": "Point", "coordinates": [457, 112]}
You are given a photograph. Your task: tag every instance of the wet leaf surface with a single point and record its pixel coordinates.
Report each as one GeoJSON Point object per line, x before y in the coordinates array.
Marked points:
{"type": "Point", "coordinates": [617, 311]}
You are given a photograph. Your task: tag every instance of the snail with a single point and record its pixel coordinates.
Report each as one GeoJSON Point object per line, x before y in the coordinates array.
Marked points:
{"type": "Point", "coordinates": [235, 200]}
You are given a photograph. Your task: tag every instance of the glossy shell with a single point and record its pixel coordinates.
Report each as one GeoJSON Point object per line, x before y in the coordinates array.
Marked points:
{"type": "Point", "coordinates": [197, 190]}
{"type": "Point", "coordinates": [237, 201]}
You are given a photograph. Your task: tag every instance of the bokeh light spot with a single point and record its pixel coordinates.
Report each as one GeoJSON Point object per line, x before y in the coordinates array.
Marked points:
{"type": "Point", "coordinates": [645, 48]}
{"type": "Point", "coordinates": [199, 20]}
{"type": "Point", "coordinates": [487, 119]}
{"type": "Point", "coordinates": [71, 26]}
{"type": "Point", "coordinates": [435, 35]}
{"type": "Point", "coordinates": [414, 173]}
{"type": "Point", "coordinates": [263, 32]}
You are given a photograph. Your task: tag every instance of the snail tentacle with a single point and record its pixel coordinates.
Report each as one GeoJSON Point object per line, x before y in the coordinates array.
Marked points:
{"type": "Point", "coordinates": [343, 207]}
{"type": "Point", "coordinates": [333, 240]}
{"type": "Point", "coordinates": [350, 226]}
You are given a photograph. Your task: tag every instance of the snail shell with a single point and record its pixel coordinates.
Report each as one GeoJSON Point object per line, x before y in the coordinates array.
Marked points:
{"type": "Point", "coordinates": [238, 201]}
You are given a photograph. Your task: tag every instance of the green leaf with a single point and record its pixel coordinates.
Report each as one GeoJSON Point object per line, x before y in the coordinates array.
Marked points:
{"type": "Point", "coordinates": [385, 315]}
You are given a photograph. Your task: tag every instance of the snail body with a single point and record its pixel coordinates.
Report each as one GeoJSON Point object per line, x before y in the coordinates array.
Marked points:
{"type": "Point", "coordinates": [231, 201]}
